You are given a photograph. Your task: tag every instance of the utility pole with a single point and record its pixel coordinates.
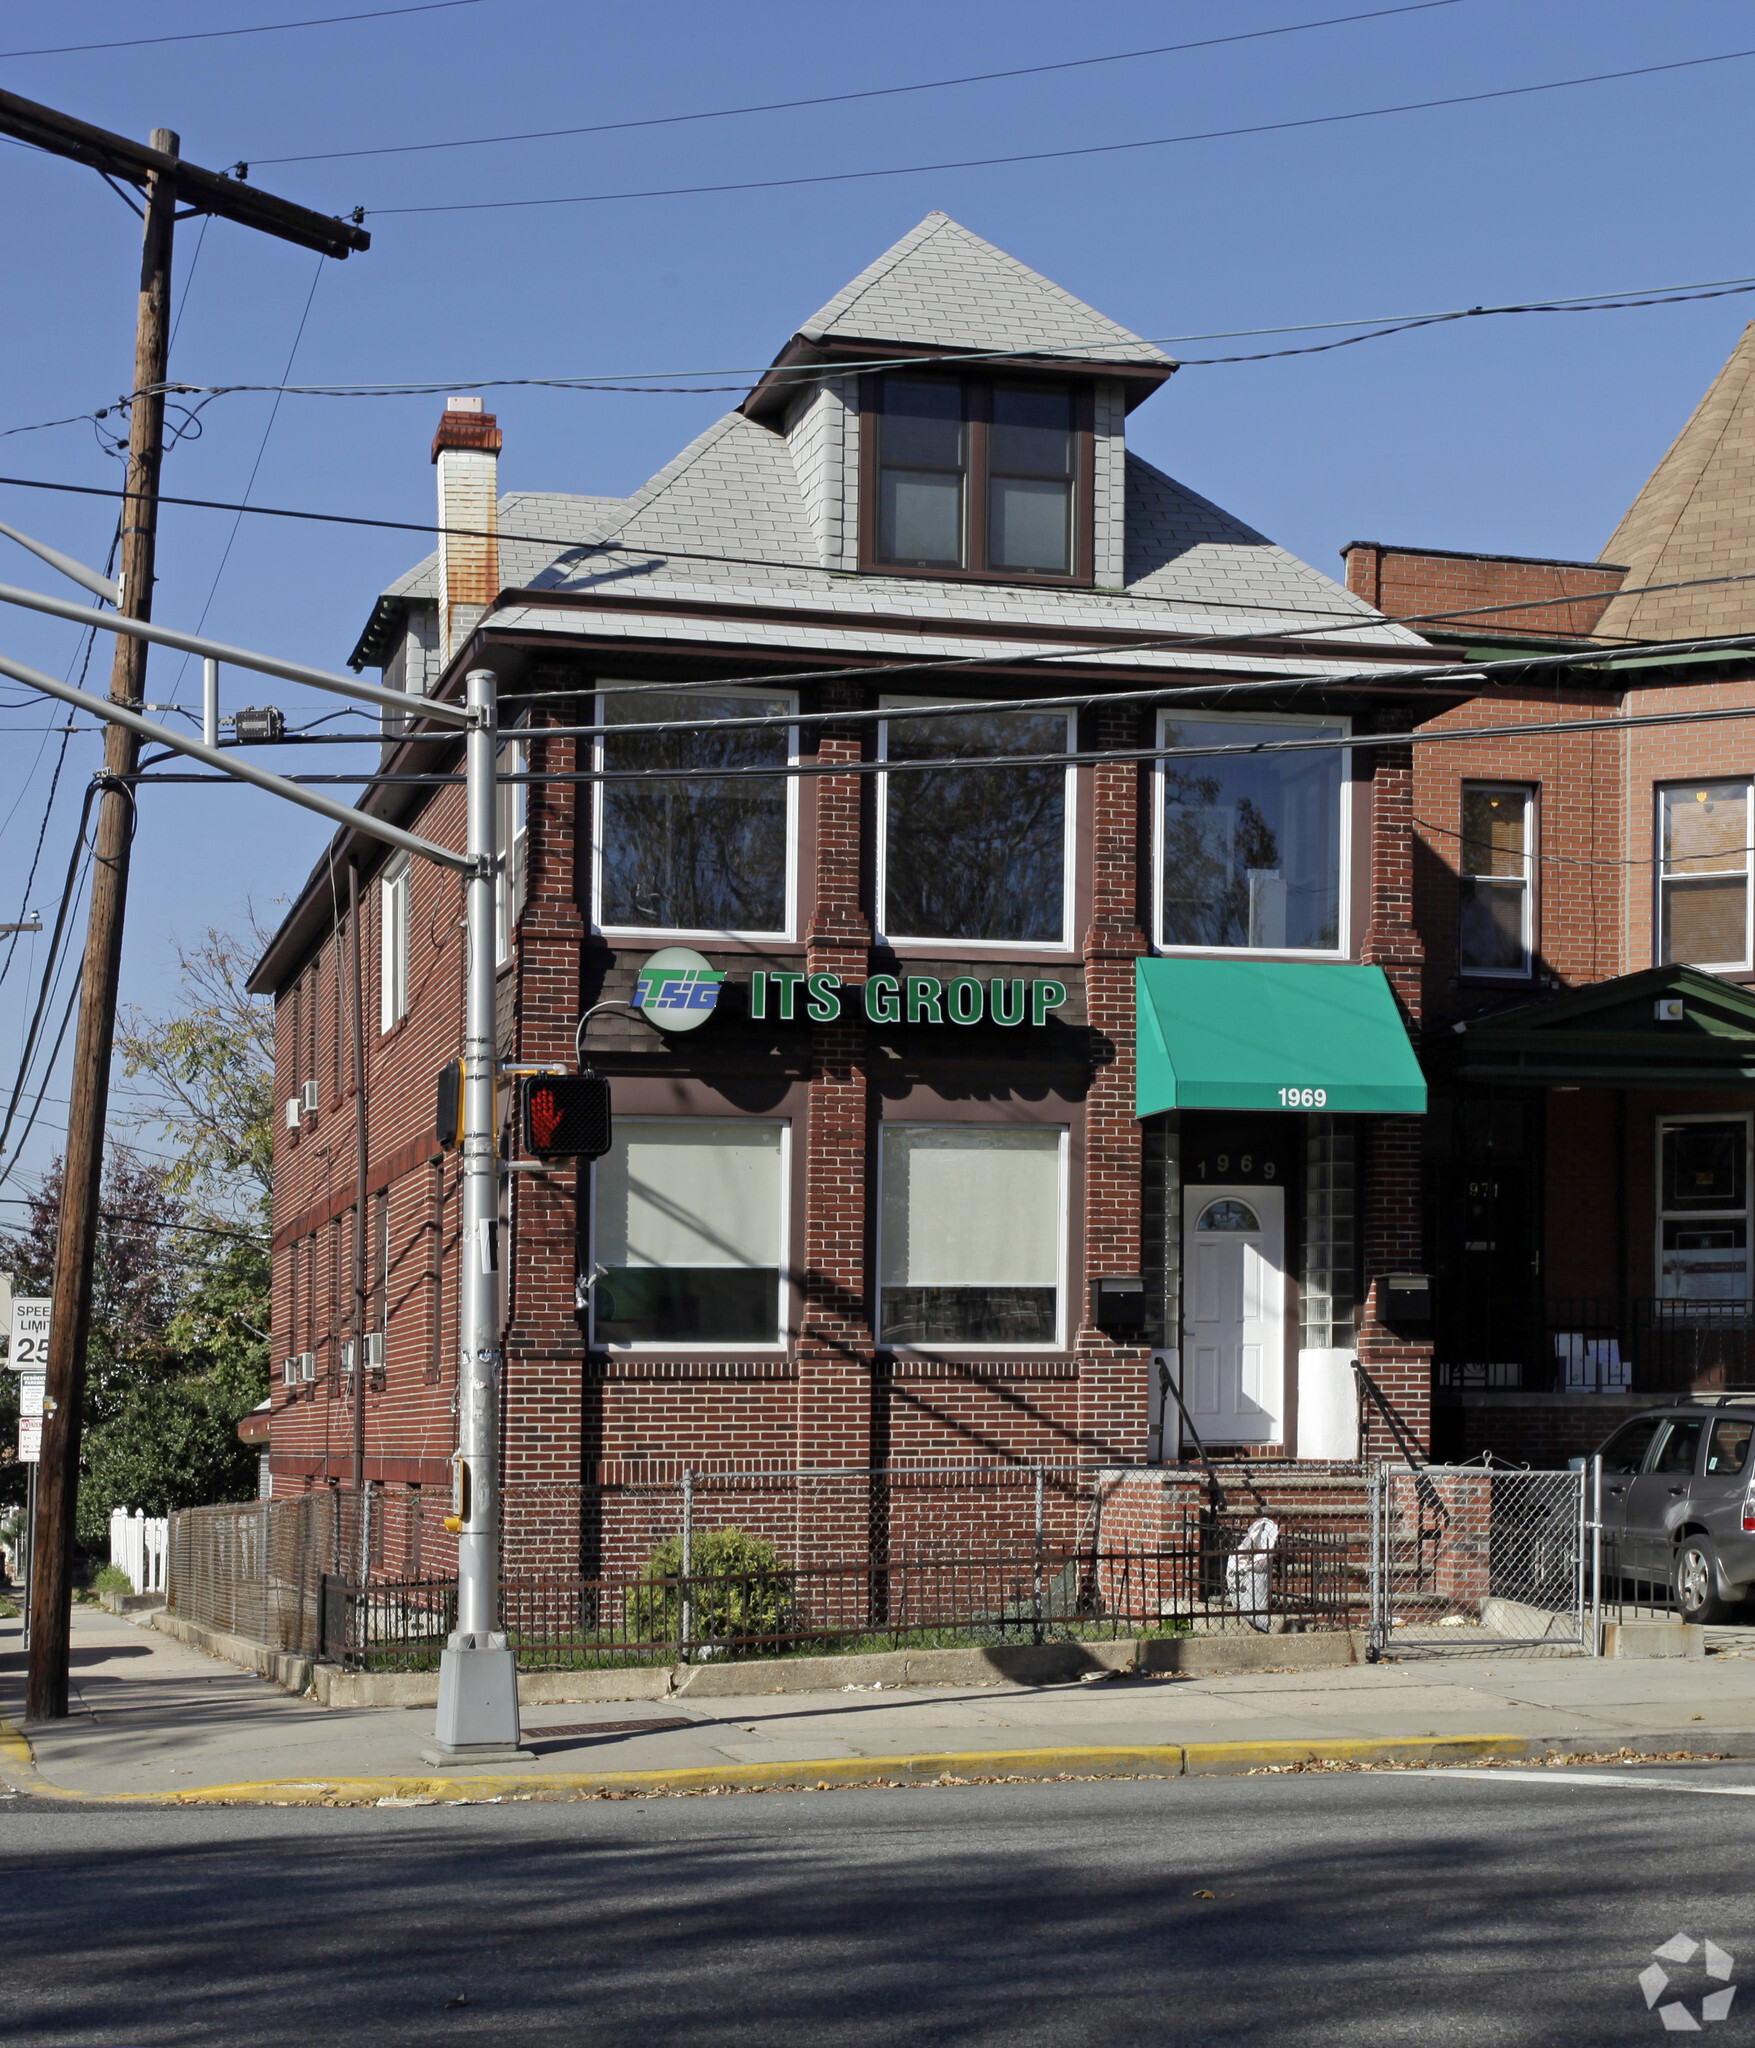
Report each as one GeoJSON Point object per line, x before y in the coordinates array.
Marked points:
{"type": "Point", "coordinates": [164, 180]}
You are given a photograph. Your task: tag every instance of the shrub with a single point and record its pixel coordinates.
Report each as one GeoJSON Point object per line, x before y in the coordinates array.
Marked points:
{"type": "Point", "coordinates": [111, 1578]}
{"type": "Point", "coordinates": [742, 1589]}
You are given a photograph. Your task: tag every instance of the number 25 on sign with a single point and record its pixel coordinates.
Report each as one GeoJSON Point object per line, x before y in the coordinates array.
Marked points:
{"type": "Point", "coordinates": [1303, 1098]}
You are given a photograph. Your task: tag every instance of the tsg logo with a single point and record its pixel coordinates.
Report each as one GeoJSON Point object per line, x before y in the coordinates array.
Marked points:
{"type": "Point", "coordinates": [1654, 1981]}
{"type": "Point", "coordinates": [677, 989]}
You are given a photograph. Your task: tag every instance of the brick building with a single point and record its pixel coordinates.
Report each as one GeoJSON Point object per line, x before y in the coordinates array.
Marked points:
{"type": "Point", "coordinates": [857, 1215]}
{"type": "Point", "coordinates": [1588, 993]}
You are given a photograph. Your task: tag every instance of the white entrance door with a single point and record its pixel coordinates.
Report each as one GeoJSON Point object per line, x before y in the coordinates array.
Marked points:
{"type": "Point", "coordinates": [1233, 1300]}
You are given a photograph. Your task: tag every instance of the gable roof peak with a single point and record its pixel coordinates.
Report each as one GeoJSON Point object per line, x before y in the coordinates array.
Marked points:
{"type": "Point", "coordinates": [942, 286]}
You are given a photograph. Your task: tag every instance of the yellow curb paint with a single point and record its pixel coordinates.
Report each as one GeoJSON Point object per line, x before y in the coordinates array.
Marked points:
{"type": "Point", "coordinates": [1160, 1760]}
{"type": "Point", "coordinates": [14, 1749]}
{"type": "Point", "coordinates": [1217, 1758]}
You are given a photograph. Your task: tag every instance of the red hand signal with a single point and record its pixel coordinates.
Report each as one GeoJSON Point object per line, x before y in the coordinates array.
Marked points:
{"type": "Point", "coordinates": [545, 1117]}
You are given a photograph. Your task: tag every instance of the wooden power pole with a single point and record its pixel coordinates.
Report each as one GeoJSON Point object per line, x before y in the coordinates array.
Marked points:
{"type": "Point", "coordinates": [165, 182]}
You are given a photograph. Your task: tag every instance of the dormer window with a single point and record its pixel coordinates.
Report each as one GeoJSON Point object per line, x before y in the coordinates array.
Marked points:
{"type": "Point", "coordinates": [977, 476]}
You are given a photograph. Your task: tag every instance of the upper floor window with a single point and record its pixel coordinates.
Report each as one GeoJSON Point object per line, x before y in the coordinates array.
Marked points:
{"type": "Point", "coordinates": [1496, 934]}
{"type": "Point", "coordinates": [979, 854]}
{"type": "Point", "coordinates": [393, 942]}
{"type": "Point", "coordinates": [702, 853]}
{"type": "Point", "coordinates": [512, 837]}
{"type": "Point", "coordinates": [1703, 874]}
{"type": "Point", "coordinates": [984, 476]}
{"type": "Point", "coordinates": [1252, 846]}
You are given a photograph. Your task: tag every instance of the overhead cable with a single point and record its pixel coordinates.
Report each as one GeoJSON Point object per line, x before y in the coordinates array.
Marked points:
{"type": "Point", "coordinates": [1034, 156]}
{"type": "Point", "coordinates": [838, 99]}
{"type": "Point", "coordinates": [264, 28]}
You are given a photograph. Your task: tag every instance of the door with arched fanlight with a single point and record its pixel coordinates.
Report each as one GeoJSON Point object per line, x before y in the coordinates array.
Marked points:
{"type": "Point", "coordinates": [1233, 1307]}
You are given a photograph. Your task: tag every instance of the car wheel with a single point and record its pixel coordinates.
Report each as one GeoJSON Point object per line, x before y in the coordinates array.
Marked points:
{"type": "Point", "coordinates": [1695, 1582]}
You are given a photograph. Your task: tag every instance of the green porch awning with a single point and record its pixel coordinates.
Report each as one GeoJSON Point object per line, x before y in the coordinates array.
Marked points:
{"type": "Point", "coordinates": [1271, 1034]}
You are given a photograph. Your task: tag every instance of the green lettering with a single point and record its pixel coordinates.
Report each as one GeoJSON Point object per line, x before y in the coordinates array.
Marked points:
{"type": "Point", "coordinates": [825, 998]}
{"type": "Point", "coordinates": [1045, 996]}
{"type": "Point", "coordinates": [963, 1000]}
{"type": "Point", "coordinates": [787, 984]}
{"type": "Point", "coordinates": [924, 991]}
{"type": "Point", "coordinates": [882, 1000]}
{"type": "Point", "coordinates": [1004, 1009]}
{"type": "Point", "coordinates": [759, 993]}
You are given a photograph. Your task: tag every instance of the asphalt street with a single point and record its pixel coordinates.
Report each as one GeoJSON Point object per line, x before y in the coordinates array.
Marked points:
{"type": "Point", "coordinates": [1516, 1907]}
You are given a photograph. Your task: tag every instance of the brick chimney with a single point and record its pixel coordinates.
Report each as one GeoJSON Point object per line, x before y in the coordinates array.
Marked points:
{"type": "Point", "coordinates": [466, 450]}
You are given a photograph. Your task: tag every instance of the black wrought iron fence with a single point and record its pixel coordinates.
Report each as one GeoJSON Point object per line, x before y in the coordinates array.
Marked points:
{"type": "Point", "coordinates": [1219, 1574]}
{"type": "Point", "coordinates": [1602, 1344]}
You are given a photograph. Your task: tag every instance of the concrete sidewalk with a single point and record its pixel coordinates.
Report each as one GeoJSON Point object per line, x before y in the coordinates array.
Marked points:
{"type": "Point", "coordinates": [155, 1718]}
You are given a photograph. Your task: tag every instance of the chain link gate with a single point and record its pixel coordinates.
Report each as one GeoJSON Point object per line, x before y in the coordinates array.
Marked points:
{"type": "Point", "coordinates": [1466, 1558]}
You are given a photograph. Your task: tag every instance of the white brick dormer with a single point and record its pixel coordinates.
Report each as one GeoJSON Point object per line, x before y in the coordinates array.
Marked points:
{"type": "Point", "coordinates": [822, 430]}
{"type": "Point", "coordinates": [1109, 494]}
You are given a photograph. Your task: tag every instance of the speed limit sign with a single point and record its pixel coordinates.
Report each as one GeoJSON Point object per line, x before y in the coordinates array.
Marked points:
{"type": "Point", "coordinates": [30, 1332]}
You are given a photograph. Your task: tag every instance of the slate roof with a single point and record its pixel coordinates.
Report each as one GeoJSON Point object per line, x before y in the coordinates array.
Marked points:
{"type": "Point", "coordinates": [1695, 516]}
{"type": "Point", "coordinates": [942, 287]}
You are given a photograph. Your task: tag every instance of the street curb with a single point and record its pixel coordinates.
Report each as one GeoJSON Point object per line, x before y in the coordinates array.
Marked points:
{"type": "Point", "coordinates": [1165, 1760]}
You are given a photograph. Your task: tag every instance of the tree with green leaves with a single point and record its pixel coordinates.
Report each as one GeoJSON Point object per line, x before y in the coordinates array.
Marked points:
{"type": "Point", "coordinates": [178, 1352]}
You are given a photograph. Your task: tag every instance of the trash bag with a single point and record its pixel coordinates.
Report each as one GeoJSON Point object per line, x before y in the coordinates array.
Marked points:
{"type": "Point", "coordinates": [1249, 1572]}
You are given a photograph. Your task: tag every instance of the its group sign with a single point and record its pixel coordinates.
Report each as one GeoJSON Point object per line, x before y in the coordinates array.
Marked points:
{"type": "Point", "coordinates": [678, 990]}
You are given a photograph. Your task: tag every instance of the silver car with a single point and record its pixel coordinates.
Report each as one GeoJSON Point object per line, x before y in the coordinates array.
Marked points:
{"type": "Point", "coordinates": [1677, 1506]}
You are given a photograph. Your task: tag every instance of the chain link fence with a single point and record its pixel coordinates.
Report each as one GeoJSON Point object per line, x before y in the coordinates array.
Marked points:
{"type": "Point", "coordinates": [1465, 1558]}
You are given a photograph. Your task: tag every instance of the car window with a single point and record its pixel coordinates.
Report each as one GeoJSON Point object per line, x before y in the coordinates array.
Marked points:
{"type": "Point", "coordinates": [1729, 1450]}
{"type": "Point", "coordinates": [1625, 1451]}
{"type": "Point", "coordinates": [1680, 1447]}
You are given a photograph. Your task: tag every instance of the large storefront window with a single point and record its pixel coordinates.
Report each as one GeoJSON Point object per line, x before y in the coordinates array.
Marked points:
{"type": "Point", "coordinates": [1703, 879]}
{"type": "Point", "coordinates": [706, 856]}
{"type": "Point", "coordinates": [1703, 1195]}
{"type": "Point", "coordinates": [690, 1218]}
{"type": "Point", "coordinates": [971, 1234]}
{"type": "Point", "coordinates": [1253, 845]}
{"type": "Point", "coordinates": [977, 854]}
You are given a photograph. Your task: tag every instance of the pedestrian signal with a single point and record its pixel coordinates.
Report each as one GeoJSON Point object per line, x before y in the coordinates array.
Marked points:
{"type": "Point", "coordinates": [566, 1116]}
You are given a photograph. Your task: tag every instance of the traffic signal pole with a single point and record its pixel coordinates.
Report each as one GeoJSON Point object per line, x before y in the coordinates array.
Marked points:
{"type": "Point", "coordinates": [478, 1678]}
{"type": "Point", "coordinates": [478, 1684]}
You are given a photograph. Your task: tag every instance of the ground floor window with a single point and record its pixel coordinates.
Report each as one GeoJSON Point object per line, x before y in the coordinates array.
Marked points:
{"type": "Point", "coordinates": [1703, 1209]}
{"type": "Point", "coordinates": [971, 1234]}
{"type": "Point", "coordinates": [689, 1232]}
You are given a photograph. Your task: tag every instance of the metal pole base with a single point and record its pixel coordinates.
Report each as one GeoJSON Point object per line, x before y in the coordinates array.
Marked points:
{"type": "Point", "coordinates": [478, 1704]}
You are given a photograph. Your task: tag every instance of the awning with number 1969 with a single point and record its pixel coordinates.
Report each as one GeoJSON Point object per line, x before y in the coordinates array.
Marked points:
{"type": "Point", "coordinates": [1272, 1034]}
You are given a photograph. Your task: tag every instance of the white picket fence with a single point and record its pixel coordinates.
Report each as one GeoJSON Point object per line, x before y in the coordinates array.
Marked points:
{"type": "Point", "coordinates": [138, 1543]}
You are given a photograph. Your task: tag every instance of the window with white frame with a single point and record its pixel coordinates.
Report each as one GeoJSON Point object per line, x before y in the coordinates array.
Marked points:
{"type": "Point", "coordinates": [511, 843]}
{"type": "Point", "coordinates": [690, 1232]}
{"type": "Point", "coordinates": [1252, 846]}
{"type": "Point", "coordinates": [1703, 874]}
{"type": "Point", "coordinates": [1703, 1209]}
{"type": "Point", "coordinates": [706, 854]}
{"type": "Point", "coordinates": [393, 908]}
{"type": "Point", "coordinates": [972, 1233]}
{"type": "Point", "coordinates": [981, 855]}
{"type": "Point", "coordinates": [1496, 878]}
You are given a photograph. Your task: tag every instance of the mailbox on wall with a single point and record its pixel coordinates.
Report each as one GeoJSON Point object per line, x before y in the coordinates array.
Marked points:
{"type": "Point", "coordinates": [1404, 1302]}
{"type": "Point", "coordinates": [1118, 1302]}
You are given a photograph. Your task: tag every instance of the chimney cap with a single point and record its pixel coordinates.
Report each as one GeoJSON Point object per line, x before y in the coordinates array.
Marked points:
{"type": "Point", "coordinates": [463, 424]}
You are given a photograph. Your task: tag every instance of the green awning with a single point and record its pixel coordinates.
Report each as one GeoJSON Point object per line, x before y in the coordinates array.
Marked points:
{"type": "Point", "coordinates": [1271, 1034]}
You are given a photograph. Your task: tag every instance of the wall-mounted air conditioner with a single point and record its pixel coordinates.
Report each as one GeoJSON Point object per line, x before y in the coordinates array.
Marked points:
{"type": "Point", "coordinates": [293, 1105]}
{"type": "Point", "coordinates": [374, 1351]}
{"type": "Point", "coordinates": [307, 1365]}
{"type": "Point", "coordinates": [308, 1098]}
{"type": "Point", "coordinates": [289, 1372]}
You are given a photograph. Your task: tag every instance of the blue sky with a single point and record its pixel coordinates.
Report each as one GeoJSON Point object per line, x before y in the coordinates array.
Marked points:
{"type": "Point", "coordinates": [1525, 435]}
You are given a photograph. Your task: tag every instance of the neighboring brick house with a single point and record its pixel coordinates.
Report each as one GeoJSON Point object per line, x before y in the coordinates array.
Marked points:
{"type": "Point", "coordinates": [1589, 984]}
{"type": "Point", "coordinates": [857, 1221]}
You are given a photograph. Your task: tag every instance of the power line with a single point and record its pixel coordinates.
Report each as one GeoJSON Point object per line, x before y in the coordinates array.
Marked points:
{"type": "Point", "coordinates": [266, 28]}
{"type": "Point", "coordinates": [977, 163]}
{"type": "Point", "coordinates": [803, 374]}
{"type": "Point", "coordinates": [836, 99]}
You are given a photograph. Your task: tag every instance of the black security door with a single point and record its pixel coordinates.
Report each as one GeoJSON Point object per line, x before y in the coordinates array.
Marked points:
{"type": "Point", "coordinates": [1485, 1177]}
